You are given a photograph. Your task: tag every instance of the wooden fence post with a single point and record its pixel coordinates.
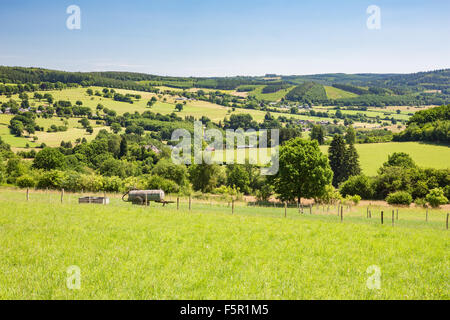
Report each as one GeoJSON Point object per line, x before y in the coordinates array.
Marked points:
{"type": "Point", "coordinates": [190, 199]}
{"type": "Point", "coordinates": [381, 217]}
{"type": "Point", "coordinates": [426, 217]}
{"type": "Point", "coordinates": [447, 221]}
{"type": "Point", "coordinates": [232, 206]}
{"type": "Point", "coordinates": [62, 195]}
{"type": "Point", "coordinates": [342, 213]}
{"type": "Point", "coordinates": [28, 194]}
{"type": "Point", "coordinates": [285, 209]}
{"type": "Point", "coordinates": [178, 203]}
{"type": "Point", "coordinates": [397, 215]}
{"type": "Point", "coordinates": [310, 209]}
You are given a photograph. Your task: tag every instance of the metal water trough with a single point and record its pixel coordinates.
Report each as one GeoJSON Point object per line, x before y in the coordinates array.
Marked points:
{"type": "Point", "coordinates": [95, 200]}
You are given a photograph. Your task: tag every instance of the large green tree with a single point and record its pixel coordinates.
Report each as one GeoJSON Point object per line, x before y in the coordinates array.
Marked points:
{"type": "Point", "coordinates": [49, 159]}
{"type": "Point", "coordinates": [304, 171]}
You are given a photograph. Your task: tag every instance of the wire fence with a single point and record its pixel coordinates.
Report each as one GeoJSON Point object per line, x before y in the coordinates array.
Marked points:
{"type": "Point", "coordinates": [337, 212]}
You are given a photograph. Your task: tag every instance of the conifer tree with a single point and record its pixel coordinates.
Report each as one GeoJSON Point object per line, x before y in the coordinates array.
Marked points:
{"type": "Point", "coordinates": [336, 156]}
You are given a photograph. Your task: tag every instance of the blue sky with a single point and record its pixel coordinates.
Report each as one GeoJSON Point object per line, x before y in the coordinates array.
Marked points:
{"type": "Point", "coordinates": [227, 38]}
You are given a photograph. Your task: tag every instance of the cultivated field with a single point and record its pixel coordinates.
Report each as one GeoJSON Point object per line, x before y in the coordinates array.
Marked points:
{"type": "Point", "coordinates": [129, 252]}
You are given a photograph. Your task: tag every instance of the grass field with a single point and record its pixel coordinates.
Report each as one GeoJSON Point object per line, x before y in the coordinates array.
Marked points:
{"type": "Point", "coordinates": [275, 96]}
{"type": "Point", "coordinates": [335, 93]}
{"type": "Point", "coordinates": [372, 156]}
{"type": "Point", "coordinates": [128, 252]}
{"type": "Point", "coordinates": [52, 139]}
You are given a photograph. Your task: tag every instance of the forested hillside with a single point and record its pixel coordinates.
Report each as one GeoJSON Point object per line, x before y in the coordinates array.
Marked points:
{"type": "Point", "coordinates": [431, 125]}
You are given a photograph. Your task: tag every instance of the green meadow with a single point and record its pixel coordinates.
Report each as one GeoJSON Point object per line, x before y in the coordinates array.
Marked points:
{"type": "Point", "coordinates": [335, 93]}
{"type": "Point", "coordinates": [130, 252]}
{"type": "Point", "coordinates": [52, 139]}
{"type": "Point", "coordinates": [373, 155]}
{"type": "Point", "coordinates": [274, 96]}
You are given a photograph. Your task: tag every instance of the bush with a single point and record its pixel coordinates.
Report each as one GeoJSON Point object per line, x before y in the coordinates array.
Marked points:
{"type": "Point", "coordinates": [264, 193]}
{"type": "Point", "coordinates": [420, 202]}
{"type": "Point", "coordinates": [50, 179]}
{"type": "Point", "coordinates": [356, 199]}
{"type": "Point", "coordinates": [436, 197]}
{"type": "Point", "coordinates": [357, 185]}
{"type": "Point", "coordinates": [399, 197]}
{"type": "Point", "coordinates": [157, 182]}
{"type": "Point", "coordinates": [330, 195]}
{"type": "Point", "coordinates": [25, 181]}
{"type": "Point", "coordinates": [113, 184]}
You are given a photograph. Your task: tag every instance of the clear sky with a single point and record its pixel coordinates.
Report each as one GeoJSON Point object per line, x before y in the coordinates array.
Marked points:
{"type": "Point", "coordinates": [227, 37]}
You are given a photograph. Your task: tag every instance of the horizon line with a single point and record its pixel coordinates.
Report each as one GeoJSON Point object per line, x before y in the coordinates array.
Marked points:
{"type": "Point", "coordinates": [234, 76]}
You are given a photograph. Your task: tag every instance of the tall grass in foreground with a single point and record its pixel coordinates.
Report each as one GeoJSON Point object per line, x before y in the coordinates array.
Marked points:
{"type": "Point", "coordinates": [127, 252]}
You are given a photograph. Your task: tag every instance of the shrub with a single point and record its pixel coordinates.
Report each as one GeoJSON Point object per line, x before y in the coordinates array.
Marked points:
{"type": "Point", "coordinates": [264, 193]}
{"type": "Point", "coordinates": [356, 199]}
{"type": "Point", "coordinates": [91, 183]}
{"type": "Point", "coordinates": [113, 184]}
{"type": "Point", "coordinates": [157, 182]}
{"type": "Point", "coordinates": [25, 181]}
{"type": "Point", "coordinates": [399, 197]}
{"type": "Point", "coordinates": [330, 195]}
{"type": "Point", "coordinates": [436, 197]}
{"type": "Point", "coordinates": [420, 202]}
{"type": "Point", "coordinates": [447, 191]}
{"type": "Point", "coordinates": [357, 185]}
{"type": "Point", "coordinates": [50, 179]}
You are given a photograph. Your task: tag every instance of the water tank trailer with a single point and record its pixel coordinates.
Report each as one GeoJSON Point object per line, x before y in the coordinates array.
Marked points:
{"type": "Point", "coordinates": [144, 197]}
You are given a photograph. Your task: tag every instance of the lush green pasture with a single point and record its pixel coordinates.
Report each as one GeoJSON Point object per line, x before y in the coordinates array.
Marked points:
{"type": "Point", "coordinates": [275, 96]}
{"type": "Point", "coordinates": [372, 156]}
{"type": "Point", "coordinates": [128, 252]}
{"type": "Point", "coordinates": [335, 93]}
{"type": "Point", "coordinates": [52, 139]}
